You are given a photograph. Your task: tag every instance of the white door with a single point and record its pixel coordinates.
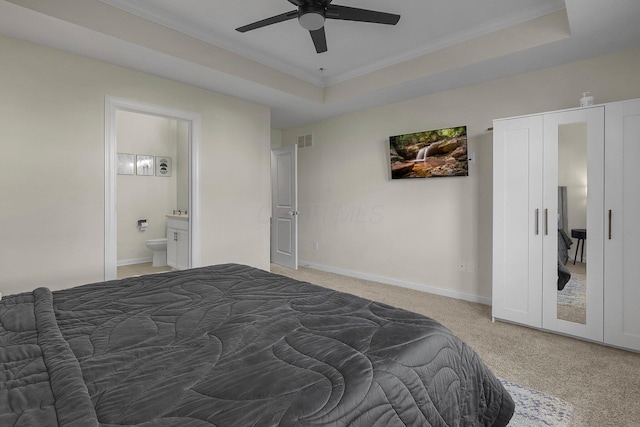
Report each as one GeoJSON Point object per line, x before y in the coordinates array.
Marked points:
{"type": "Point", "coordinates": [284, 206]}
{"type": "Point", "coordinates": [622, 231]}
{"type": "Point", "coordinates": [517, 216]}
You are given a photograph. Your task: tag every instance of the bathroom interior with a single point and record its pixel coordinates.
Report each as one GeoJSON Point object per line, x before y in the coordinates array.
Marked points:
{"type": "Point", "coordinates": [149, 199]}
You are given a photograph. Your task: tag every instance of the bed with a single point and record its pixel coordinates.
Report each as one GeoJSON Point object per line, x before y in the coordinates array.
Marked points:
{"type": "Point", "coordinates": [231, 345]}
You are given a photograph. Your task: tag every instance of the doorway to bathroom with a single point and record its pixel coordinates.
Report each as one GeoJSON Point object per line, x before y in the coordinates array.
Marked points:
{"type": "Point", "coordinates": [151, 178]}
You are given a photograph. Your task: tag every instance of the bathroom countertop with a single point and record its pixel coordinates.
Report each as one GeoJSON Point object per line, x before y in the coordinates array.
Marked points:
{"type": "Point", "coordinates": [183, 216]}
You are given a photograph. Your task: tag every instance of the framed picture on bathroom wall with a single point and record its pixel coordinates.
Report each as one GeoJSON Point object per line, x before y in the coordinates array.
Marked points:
{"type": "Point", "coordinates": [144, 165]}
{"type": "Point", "coordinates": [163, 166]}
{"type": "Point", "coordinates": [125, 164]}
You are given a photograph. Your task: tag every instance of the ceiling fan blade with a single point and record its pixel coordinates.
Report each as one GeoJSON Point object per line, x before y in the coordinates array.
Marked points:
{"type": "Point", "coordinates": [264, 22]}
{"type": "Point", "coordinates": [363, 15]}
{"type": "Point", "coordinates": [319, 40]}
{"type": "Point", "coordinates": [297, 2]}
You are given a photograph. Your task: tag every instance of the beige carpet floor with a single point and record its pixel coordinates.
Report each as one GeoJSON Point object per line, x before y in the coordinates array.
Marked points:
{"type": "Point", "coordinates": [603, 383]}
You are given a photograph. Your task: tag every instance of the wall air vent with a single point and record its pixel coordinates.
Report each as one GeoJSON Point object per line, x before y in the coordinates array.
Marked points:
{"type": "Point", "coordinates": [305, 141]}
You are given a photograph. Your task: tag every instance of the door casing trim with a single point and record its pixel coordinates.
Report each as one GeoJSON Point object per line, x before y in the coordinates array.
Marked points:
{"type": "Point", "coordinates": [112, 106]}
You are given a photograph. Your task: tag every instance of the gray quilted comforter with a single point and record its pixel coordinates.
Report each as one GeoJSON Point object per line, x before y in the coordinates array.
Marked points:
{"type": "Point", "coordinates": [231, 345]}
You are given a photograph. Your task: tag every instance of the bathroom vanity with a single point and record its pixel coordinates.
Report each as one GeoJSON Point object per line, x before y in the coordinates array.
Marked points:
{"type": "Point", "coordinates": [178, 241]}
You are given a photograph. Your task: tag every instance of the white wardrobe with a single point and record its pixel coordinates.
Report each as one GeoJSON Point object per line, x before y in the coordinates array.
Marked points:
{"type": "Point", "coordinates": [566, 222]}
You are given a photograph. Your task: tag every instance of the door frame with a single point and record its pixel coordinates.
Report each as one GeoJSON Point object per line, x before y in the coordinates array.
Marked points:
{"type": "Point", "coordinates": [112, 106]}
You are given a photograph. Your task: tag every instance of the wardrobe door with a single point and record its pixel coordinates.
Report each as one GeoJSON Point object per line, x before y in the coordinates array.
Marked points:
{"type": "Point", "coordinates": [572, 212]}
{"type": "Point", "coordinates": [517, 204]}
{"type": "Point", "coordinates": [622, 234]}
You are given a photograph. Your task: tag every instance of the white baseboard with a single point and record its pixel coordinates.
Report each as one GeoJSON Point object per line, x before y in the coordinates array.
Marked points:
{"type": "Point", "coordinates": [401, 283]}
{"type": "Point", "coordinates": [122, 262]}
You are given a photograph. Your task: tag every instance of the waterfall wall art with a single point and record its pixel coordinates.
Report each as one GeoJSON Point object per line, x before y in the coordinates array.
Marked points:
{"type": "Point", "coordinates": [429, 154]}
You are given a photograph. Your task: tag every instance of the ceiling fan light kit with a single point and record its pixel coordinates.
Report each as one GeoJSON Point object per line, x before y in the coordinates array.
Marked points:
{"type": "Point", "coordinates": [311, 15]}
{"type": "Point", "coordinates": [311, 18]}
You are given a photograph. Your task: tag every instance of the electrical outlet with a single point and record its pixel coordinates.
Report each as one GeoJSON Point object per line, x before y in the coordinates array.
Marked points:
{"type": "Point", "coordinates": [315, 245]}
{"type": "Point", "coordinates": [462, 266]}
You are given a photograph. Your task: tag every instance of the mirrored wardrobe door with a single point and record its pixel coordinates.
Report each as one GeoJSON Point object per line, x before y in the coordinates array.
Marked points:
{"type": "Point", "coordinates": [572, 222]}
{"type": "Point", "coordinates": [572, 248]}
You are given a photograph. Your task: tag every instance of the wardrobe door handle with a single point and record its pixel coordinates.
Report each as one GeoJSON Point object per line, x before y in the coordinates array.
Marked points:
{"type": "Point", "coordinates": [546, 222]}
{"type": "Point", "coordinates": [537, 221]}
{"type": "Point", "coordinates": [610, 215]}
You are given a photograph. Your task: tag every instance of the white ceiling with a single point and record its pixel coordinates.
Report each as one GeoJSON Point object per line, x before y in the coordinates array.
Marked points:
{"type": "Point", "coordinates": [354, 48]}
{"type": "Point", "coordinates": [366, 64]}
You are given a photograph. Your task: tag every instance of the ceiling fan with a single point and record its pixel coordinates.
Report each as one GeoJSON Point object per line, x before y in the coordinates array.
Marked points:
{"type": "Point", "coordinates": [311, 15]}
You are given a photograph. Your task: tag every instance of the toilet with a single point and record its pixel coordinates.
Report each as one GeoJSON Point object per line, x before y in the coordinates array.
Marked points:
{"type": "Point", "coordinates": [159, 248]}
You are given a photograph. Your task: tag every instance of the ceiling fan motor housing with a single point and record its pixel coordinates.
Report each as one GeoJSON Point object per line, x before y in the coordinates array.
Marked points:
{"type": "Point", "coordinates": [311, 17]}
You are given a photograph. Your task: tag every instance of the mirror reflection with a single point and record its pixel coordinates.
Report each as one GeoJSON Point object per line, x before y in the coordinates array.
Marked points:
{"type": "Point", "coordinates": [572, 222]}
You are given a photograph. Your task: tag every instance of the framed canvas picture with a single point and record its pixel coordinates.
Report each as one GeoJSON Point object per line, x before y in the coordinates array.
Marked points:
{"type": "Point", "coordinates": [428, 154]}
{"type": "Point", "coordinates": [125, 164]}
{"type": "Point", "coordinates": [144, 165]}
{"type": "Point", "coordinates": [163, 166]}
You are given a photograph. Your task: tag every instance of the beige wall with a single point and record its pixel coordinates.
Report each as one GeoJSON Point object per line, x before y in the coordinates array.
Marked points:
{"type": "Point", "coordinates": [276, 138]}
{"type": "Point", "coordinates": [52, 166]}
{"type": "Point", "coordinates": [145, 197]}
{"type": "Point", "coordinates": [415, 232]}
